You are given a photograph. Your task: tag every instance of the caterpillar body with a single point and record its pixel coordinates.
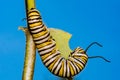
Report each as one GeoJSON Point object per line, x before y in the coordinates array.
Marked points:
{"type": "Point", "coordinates": [48, 51]}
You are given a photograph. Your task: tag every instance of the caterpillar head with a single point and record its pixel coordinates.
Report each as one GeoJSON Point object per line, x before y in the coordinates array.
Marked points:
{"type": "Point", "coordinates": [78, 50]}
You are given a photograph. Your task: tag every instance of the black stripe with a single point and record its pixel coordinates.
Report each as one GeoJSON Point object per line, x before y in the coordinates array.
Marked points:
{"type": "Point", "coordinates": [37, 28]}
{"type": "Point", "coordinates": [57, 65]}
{"type": "Point", "coordinates": [40, 43]}
{"type": "Point", "coordinates": [63, 66]}
{"type": "Point", "coordinates": [43, 37]}
{"type": "Point", "coordinates": [78, 67]}
{"type": "Point", "coordinates": [31, 11]}
{"type": "Point", "coordinates": [72, 52]}
{"type": "Point", "coordinates": [29, 16]}
{"type": "Point", "coordinates": [59, 70]}
{"type": "Point", "coordinates": [80, 62]}
{"type": "Point", "coordinates": [29, 19]}
{"type": "Point", "coordinates": [84, 58]}
{"type": "Point", "coordinates": [44, 29]}
{"type": "Point", "coordinates": [74, 66]}
{"type": "Point", "coordinates": [49, 59]}
{"type": "Point", "coordinates": [47, 48]}
{"type": "Point", "coordinates": [77, 55]}
{"type": "Point", "coordinates": [71, 66]}
{"type": "Point", "coordinates": [66, 68]}
{"type": "Point", "coordinates": [44, 53]}
{"type": "Point", "coordinates": [69, 70]}
{"type": "Point", "coordinates": [35, 22]}
{"type": "Point", "coordinates": [81, 56]}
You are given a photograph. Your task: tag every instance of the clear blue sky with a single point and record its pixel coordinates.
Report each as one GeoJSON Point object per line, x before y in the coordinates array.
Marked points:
{"type": "Point", "coordinates": [86, 20]}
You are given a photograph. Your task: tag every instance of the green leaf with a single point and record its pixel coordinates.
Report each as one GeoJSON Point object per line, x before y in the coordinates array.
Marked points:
{"type": "Point", "coordinates": [62, 41]}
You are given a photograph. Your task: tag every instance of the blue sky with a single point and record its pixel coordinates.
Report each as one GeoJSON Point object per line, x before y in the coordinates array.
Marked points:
{"type": "Point", "coordinates": [86, 20]}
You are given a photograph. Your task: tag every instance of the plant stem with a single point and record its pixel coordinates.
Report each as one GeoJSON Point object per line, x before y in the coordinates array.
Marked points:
{"type": "Point", "coordinates": [29, 4]}
{"type": "Point", "coordinates": [30, 53]}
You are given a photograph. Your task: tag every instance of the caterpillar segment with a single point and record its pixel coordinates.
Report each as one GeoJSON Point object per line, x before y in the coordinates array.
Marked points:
{"type": "Point", "coordinates": [49, 53]}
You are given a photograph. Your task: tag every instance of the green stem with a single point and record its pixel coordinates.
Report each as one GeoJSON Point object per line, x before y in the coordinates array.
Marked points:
{"type": "Point", "coordinates": [29, 4]}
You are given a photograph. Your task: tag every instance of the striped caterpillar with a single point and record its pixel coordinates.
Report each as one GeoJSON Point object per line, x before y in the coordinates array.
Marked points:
{"type": "Point", "coordinates": [48, 51]}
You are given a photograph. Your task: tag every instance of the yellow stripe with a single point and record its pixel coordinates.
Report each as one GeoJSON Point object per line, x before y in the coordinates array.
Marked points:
{"type": "Point", "coordinates": [61, 69]}
{"type": "Point", "coordinates": [32, 17]}
{"type": "Point", "coordinates": [83, 58]}
{"type": "Point", "coordinates": [32, 13]}
{"type": "Point", "coordinates": [48, 54]}
{"type": "Point", "coordinates": [71, 69]}
{"type": "Point", "coordinates": [79, 66]}
{"type": "Point", "coordinates": [52, 64]}
{"type": "Point", "coordinates": [39, 34]}
{"type": "Point", "coordinates": [82, 51]}
{"type": "Point", "coordinates": [43, 44]}
{"type": "Point", "coordinates": [35, 24]}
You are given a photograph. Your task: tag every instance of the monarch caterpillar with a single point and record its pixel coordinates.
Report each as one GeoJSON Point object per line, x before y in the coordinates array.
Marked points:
{"type": "Point", "coordinates": [49, 53]}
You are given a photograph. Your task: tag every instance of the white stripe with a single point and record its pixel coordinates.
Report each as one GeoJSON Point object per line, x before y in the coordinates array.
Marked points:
{"type": "Point", "coordinates": [42, 36]}
{"type": "Point", "coordinates": [58, 67]}
{"type": "Point", "coordinates": [74, 69]}
{"type": "Point", "coordinates": [46, 51]}
{"type": "Point", "coordinates": [79, 54]}
{"type": "Point", "coordinates": [64, 73]}
{"type": "Point", "coordinates": [43, 40]}
{"type": "Point", "coordinates": [68, 71]}
{"type": "Point", "coordinates": [35, 20]}
{"type": "Point", "coordinates": [50, 57]}
{"type": "Point", "coordinates": [40, 26]}
{"type": "Point", "coordinates": [56, 64]}
{"type": "Point", "coordinates": [51, 60]}
{"type": "Point", "coordinates": [81, 60]}
{"type": "Point", "coordinates": [77, 61]}
{"type": "Point", "coordinates": [37, 30]}
{"type": "Point", "coordinates": [45, 47]}
{"type": "Point", "coordinates": [78, 70]}
{"type": "Point", "coordinates": [33, 17]}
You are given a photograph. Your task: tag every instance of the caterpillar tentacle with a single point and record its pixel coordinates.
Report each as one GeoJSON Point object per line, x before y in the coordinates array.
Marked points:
{"type": "Point", "coordinates": [91, 57]}
{"type": "Point", "coordinates": [49, 53]}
